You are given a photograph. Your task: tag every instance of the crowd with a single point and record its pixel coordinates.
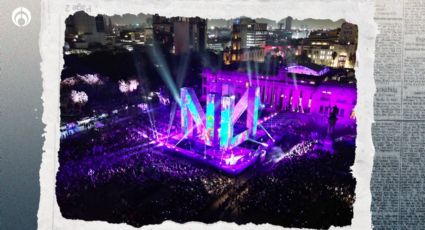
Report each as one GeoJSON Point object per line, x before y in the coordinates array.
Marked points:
{"type": "Point", "coordinates": [301, 192]}
{"type": "Point", "coordinates": [118, 134]}
{"type": "Point", "coordinates": [116, 174]}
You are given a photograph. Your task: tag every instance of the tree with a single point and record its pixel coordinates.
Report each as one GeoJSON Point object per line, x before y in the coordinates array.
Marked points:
{"type": "Point", "coordinates": [334, 54]}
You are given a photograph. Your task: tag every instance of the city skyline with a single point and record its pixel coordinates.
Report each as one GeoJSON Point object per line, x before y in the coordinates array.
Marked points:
{"type": "Point", "coordinates": [308, 23]}
{"type": "Point", "coordinates": [243, 39]}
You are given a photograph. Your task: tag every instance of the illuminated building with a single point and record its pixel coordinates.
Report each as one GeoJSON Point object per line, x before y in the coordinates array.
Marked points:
{"type": "Point", "coordinates": [332, 55]}
{"type": "Point", "coordinates": [198, 33]}
{"type": "Point", "coordinates": [218, 39]}
{"type": "Point", "coordinates": [135, 36]}
{"type": "Point", "coordinates": [335, 48]}
{"type": "Point", "coordinates": [300, 34]}
{"type": "Point", "coordinates": [295, 88]}
{"type": "Point", "coordinates": [148, 34]}
{"type": "Point", "coordinates": [248, 38]}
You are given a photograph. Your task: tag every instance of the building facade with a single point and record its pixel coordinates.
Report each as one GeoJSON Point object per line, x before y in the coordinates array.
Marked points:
{"type": "Point", "coordinates": [247, 37]}
{"type": "Point", "coordinates": [180, 34]}
{"type": "Point", "coordinates": [162, 31]}
{"type": "Point", "coordinates": [284, 92]}
{"type": "Point", "coordinates": [334, 48]}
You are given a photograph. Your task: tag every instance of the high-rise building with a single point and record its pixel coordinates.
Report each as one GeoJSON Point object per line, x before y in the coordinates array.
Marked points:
{"type": "Point", "coordinates": [348, 33]}
{"type": "Point", "coordinates": [100, 24]}
{"type": "Point", "coordinates": [247, 35]}
{"type": "Point", "coordinates": [198, 33]}
{"type": "Point", "coordinates": [162, 31]}
{"type": "Point", "coordinates": [110, 27]}
{"type": "Point", "coordinates": [218, 39]}
{"type": "Point", "coordinates": [180, 34]}
{"type": "Point", "coordinates": [83, 23]}
{"type": "Point", "coordinates": [189, 34]}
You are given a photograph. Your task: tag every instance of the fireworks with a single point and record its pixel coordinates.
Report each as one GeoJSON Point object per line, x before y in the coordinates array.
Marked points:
{"type": "Point", "coordinates": [70, 81]}
{"type": "Point", "coordinates": [90, 79]}
{"type": "Point", "coordinates": [79, 97]}
{"type": "Point", "coordinates": [128, 86]}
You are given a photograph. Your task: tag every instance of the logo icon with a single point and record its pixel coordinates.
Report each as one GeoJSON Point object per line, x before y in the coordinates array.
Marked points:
{"type": "Point", "coordinates": [21, 17]}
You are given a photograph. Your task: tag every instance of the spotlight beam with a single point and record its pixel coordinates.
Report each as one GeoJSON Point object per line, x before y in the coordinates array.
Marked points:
{"type": "Point", "coordinates": [257, 142]}
{"type": "Point", "coordinates": [164, 71]}
{"type": "Point", "coordinates": [268, 134]}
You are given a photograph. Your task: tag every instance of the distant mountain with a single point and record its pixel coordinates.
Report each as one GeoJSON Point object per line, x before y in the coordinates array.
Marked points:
{"type": "Point", "coordinates": [268, 21]}
{"type": "Point", "coordinates": [219, 22]}
{"type": "Point", "coordinates": [307, 23]}
{"type": "Point", "coordinates": [316, 23]}
{"type": "Point", "coordinates": [131, 19]}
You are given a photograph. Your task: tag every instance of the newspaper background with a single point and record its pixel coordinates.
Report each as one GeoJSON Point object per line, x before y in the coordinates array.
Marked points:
{"type": "Point", "coordinates": [398, 132]}
{"type": "Point", "coordinates": [51, 41]}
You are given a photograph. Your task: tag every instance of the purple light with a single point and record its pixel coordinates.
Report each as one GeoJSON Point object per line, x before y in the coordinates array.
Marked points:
{"type": "Point", "coordinates": [283, 93]}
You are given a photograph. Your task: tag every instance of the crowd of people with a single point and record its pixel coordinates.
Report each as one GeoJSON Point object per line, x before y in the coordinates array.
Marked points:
{"type": "Point", "coordinates": [117, 174]}
{"type": "Point", "coordinates": [115, 136]}
{"type": "Point", "coordinates": [300, 192]}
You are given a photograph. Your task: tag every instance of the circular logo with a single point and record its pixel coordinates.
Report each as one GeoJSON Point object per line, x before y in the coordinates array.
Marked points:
{"type": "Point", "coordinates": [21, 17]}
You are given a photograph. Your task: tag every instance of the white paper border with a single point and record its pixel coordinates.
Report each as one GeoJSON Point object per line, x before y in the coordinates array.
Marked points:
{"type": "Point", "coordinates": [54, 13]}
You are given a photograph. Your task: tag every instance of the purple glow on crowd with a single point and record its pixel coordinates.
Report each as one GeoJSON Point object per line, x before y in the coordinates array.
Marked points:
{"type": "Point", "coordinates": [182, 128]}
